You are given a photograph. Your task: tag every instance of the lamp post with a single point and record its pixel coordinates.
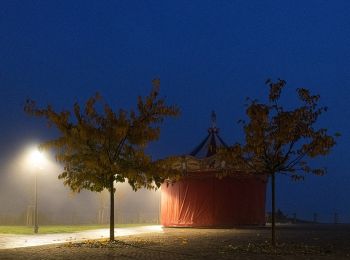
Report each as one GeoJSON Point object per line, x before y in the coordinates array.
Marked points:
{"type": "Point", "coordinates": [36, 159]}
{"type": "Point", "coordinates": [36, 226]}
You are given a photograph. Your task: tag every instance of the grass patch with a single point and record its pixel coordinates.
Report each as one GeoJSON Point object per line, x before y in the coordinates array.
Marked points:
{"type": "Point", "coordinates": [54, 229]}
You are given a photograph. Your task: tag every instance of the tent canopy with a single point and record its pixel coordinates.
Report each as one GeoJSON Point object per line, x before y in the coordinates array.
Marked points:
{"type": "Point", "coordinates": [200, 199]}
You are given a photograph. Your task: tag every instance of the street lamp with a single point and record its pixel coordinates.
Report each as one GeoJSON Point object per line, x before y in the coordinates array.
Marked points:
{"type": "Point", "coordinates": [36, 159]}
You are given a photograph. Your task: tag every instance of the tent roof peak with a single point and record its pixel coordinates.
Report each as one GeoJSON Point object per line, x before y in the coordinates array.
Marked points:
{"type": "Point", "coordinates": [211, 142]}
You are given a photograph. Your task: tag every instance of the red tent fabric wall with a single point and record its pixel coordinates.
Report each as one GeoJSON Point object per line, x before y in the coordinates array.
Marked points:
{"type": "Point", "coordinates": [202, 200]}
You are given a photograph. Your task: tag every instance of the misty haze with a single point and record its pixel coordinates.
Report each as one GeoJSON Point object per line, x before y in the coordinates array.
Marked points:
{"type": "Point", "coordinates": [57, 204]}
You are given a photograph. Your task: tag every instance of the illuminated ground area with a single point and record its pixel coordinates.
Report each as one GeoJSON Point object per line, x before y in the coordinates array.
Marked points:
{"type": "Point", "coordinates": [17, 241]}
{"type": "Point", "coordinates": [295, 242]}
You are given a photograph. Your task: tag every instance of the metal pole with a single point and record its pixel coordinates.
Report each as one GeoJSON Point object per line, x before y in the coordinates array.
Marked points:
{"type": "Point", "coordinates": [273, 213]}
{"type": "Point", "coordinates": [36, 227]}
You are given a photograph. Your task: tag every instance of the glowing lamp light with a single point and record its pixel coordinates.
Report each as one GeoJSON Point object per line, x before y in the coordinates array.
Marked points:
{"type": "Point", "coordinates": [36, 158]}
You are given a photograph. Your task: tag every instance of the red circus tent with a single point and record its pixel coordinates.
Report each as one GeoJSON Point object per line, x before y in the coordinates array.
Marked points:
{"type": "Point", "coordinates": [201, 199]}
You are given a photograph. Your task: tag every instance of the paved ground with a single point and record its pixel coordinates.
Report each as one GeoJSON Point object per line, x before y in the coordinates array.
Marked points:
{"type": "Point", "coordinates": [305, 242]}
{"type": "Point", "coordinates": [17, 241]}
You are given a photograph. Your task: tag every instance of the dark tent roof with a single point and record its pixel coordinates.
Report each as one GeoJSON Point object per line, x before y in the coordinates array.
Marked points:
{"type": "Point", "coordinates": [211, 142]}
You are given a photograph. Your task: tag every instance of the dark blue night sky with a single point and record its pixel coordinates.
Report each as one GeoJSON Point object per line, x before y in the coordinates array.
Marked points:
{"type": "Point", "coordinates": [209, 55]}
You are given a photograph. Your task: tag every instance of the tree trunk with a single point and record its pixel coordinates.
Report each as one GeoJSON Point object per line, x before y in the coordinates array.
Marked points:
{"type": "Point", "coordinates": [111, 216]}
{"type": "Point", "coordinates": [273, 211]}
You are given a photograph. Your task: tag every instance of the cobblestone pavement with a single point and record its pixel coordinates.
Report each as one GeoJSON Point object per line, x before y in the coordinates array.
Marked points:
{"type": "Point", "coordinates": [187, 243]}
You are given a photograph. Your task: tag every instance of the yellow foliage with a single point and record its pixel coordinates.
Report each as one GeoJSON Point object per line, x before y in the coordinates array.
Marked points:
{"type": "Point", "coordinates": [98, 147]}
{"type": "Point", "coordinates": [278, 140]}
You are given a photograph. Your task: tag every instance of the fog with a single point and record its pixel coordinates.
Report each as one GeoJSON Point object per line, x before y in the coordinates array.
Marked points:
{"type": "Point", "coordinates": [57, 204]}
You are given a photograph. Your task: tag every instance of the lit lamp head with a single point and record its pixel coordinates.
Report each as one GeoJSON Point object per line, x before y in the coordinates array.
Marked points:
{"type": "Point", "coordinates": [37, 158]}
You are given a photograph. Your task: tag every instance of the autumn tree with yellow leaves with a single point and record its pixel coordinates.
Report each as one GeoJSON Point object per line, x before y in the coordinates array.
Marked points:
{"type": "Point", "coordinates": [280, 140]}
{"type": "Point", "coordinates": [99, 146]}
